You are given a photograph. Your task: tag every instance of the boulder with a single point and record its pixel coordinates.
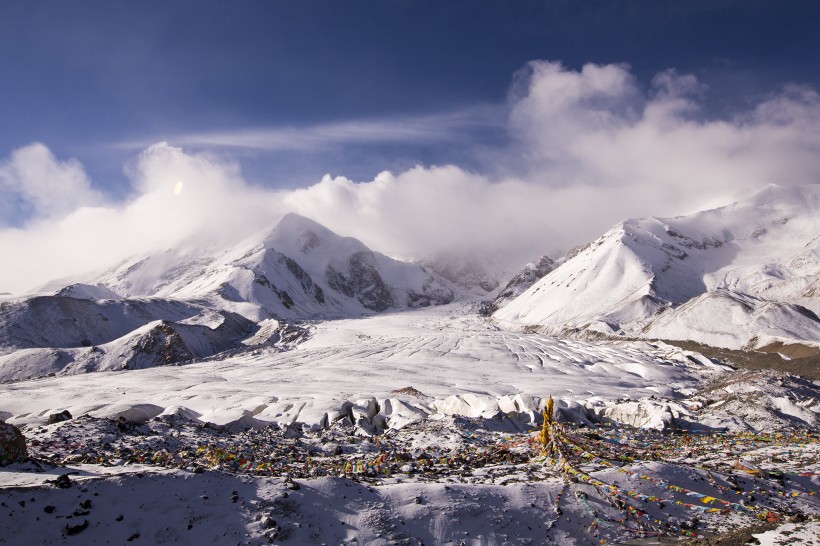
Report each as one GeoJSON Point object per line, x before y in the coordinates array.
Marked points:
{"type": "Point", "coordinates": [64, 415]}
{"type": "Point", "coordinates": [12, 444]}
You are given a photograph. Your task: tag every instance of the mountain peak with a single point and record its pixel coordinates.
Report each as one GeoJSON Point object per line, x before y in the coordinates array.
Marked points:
{"type": "Point", "coordinates": [773, 193]}
{"type": "Point", "coordinates": [296, 235]}
{"type": "Point", "coordinates": [677, 267]}
{"type": "Point", "coordinates": [293, 222]}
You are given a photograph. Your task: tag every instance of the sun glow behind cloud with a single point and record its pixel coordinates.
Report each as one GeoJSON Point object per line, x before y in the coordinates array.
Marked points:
{"type": "Point", "coordinates": [589, 148]}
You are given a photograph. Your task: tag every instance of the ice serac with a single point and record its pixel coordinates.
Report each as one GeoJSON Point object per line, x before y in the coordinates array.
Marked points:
{"type": "Point", "coordinates": [741, 276]}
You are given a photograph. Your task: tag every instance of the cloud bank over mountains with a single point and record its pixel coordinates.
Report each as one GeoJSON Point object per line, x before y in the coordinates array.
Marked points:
{"type": "Point", "coordinates": [586, 149]}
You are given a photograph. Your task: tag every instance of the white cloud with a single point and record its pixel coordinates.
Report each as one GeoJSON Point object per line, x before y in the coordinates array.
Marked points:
{"type": "Point", "coordinates": [595, 149]}
{"type": "Point", "coordinates": [44, 186]}
{"type": "Point", "coordinates": [214, 205]}
{"type": "Point", "coordinates": [655, 153]}
{"type": "Point", "coordinates": [591, 148]}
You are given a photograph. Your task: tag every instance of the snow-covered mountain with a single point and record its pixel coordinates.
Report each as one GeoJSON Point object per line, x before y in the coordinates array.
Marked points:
{"type": "Point", "coordinates": [157, 343]}
{"type": "Point", "coordinates": [64, 334]}
{"type": "Point", "coordinates": [60, 321]}
{"type": "Point", "coordinates": [467, 271]}
{"type": "Point", "coordinates": [191, 303]}
{"type": "Point", "coordinates": [741, 276]}
{"type": "Point", "coordinates": [298, 270]}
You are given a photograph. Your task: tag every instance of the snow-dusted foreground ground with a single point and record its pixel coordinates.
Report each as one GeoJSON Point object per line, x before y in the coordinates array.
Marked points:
{"type": "Point", "coordinates": [360, 457]}
{"type": "Point", "coordinates": [449, 481]}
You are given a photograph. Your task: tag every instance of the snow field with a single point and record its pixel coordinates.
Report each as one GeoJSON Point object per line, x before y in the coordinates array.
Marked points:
{"type": "Point", "coordinates": [459, 363]}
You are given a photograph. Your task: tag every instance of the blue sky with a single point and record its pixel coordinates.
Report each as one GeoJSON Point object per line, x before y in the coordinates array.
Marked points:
{"type": "Point", "coordinates": [510, 128]}
{"type": "Point", "coordinates": [87, 77]}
